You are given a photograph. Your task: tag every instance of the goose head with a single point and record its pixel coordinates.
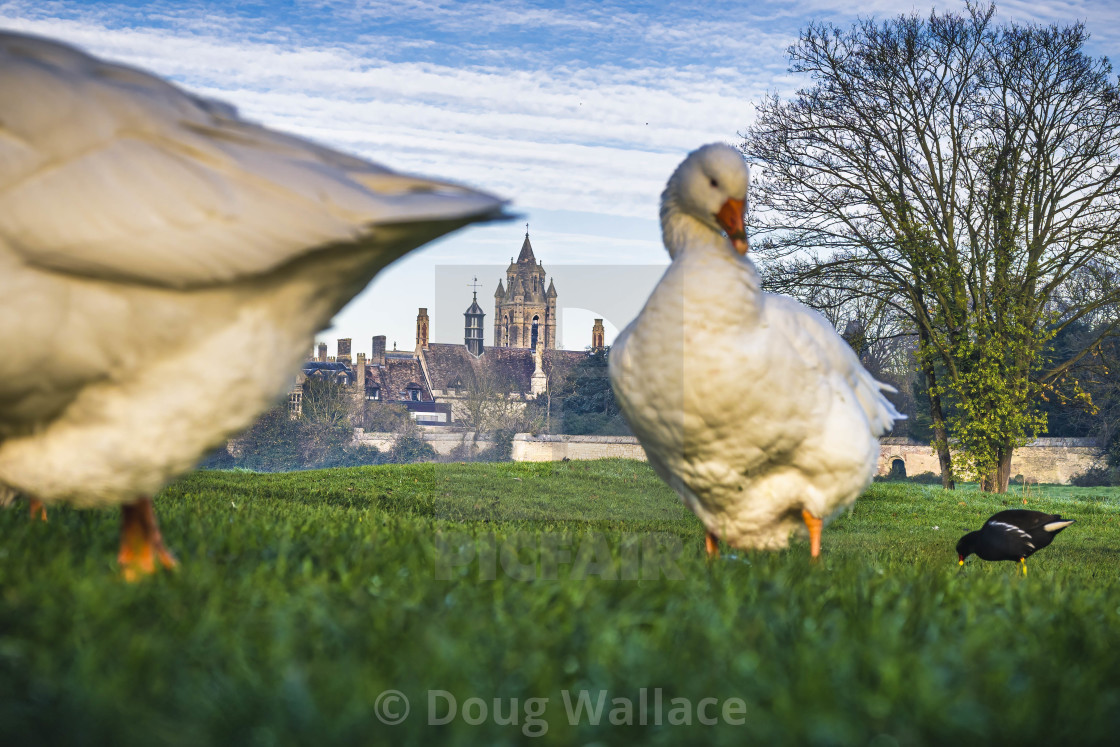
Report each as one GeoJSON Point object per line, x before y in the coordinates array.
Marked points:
{"type": "Point", "coordinates": [707, 191]}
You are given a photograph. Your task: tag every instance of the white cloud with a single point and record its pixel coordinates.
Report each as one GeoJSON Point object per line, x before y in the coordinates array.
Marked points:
{"type": "Point", "coordinates": [593, 139]}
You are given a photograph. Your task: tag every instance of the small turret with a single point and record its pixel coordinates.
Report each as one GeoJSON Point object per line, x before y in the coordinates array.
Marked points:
{"type": "Point", "coordinates": [473, 317]}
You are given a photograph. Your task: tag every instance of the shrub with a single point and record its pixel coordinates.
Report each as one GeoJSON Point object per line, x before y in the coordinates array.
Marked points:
{"type": "Point", "coordinates": [501, 449]}
{"type": "Point", "coordinates": [1097, 477]}
{"type": "Point", "coordinates": [922, 478]}
{"type": "Point", "coordinates": [926, 478]}
{"type": "Point", "coordinates": [273, 444]}
{"type": "Point", "coordinates": [411, 448]}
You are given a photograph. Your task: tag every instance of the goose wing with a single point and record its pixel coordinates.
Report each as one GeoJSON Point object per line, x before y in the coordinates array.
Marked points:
{"type": "Point", "coordinates": [822, 348]}
{"type": "Point", "coordinates": [162, 187]}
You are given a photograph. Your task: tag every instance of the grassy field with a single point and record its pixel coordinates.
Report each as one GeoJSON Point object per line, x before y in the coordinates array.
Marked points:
{"type": "Point", "coordinates": [303, 597]}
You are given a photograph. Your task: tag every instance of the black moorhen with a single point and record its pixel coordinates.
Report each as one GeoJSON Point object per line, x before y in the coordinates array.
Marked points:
{"type": "Point", "coordinates": [1012, 535]}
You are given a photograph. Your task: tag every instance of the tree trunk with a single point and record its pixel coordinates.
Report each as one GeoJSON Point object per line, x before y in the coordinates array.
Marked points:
{"type": "Point", "coordinates": [998, 479]}
{"type": "Point", "coordinates": [942, 435]}
{"type": "Point", "coordinates": [937, 415]}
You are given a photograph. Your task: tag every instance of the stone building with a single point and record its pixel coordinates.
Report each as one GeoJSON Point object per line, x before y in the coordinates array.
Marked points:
{"type": "Point", "coordinates": [434, 380]}
{"type": "Point", "coordinates": [524, 309]}
{"type": "Point", "coordinates": [386, 376]}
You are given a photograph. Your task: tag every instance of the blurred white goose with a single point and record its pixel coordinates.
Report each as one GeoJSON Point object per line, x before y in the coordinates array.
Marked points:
{"type": "Point", "coordinates": [154, 249]}
{"type": "Point", "coordinates": [748, 404]}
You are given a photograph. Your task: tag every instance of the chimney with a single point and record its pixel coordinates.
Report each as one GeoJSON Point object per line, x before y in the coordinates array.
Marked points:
{"type": "Point", "coordinates": [422, 329]}
{"type": "Point", "coordinates": [322, 352]}
{"type": "Point", "coordinates": [360, 371]}
{"type": "Point", "coordinates": [343, 354]}
{"type": "Point", "coordinates": [598, 335]}
{"type": "Point", "coordinates": [378, 357]}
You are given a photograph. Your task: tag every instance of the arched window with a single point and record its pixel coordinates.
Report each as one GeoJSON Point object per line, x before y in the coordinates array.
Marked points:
{"type": "Point", "coordinates": [533, 345]}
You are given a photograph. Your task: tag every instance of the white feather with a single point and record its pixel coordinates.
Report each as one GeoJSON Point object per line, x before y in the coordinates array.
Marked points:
{"type": "Point", "coordinates": [1005, 527]}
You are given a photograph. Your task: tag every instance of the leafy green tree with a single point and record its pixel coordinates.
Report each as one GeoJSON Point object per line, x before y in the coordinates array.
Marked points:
{"type": "Point", "coordinates": [963, 174]}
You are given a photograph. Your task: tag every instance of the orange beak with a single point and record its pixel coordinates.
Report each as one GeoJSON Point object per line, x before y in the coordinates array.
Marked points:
{"type": "Point", "coordinates": [730, 219]}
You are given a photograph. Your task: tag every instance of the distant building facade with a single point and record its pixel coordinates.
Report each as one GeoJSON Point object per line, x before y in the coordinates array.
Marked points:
{"type": "Point", "coordinates": [435, 379]}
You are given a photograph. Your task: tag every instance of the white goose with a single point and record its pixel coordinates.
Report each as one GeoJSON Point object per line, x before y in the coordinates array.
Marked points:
{"type": "Point", "coordinates": [154, 248]}
{"type": "Point", "coordinates": [748, 404]}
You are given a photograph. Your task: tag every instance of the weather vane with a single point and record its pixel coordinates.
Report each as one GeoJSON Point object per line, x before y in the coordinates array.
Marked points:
{"type": "Point", "coordinates": [474, 286]}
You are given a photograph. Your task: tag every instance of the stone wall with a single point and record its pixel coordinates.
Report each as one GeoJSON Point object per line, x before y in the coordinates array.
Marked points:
{"type": "Point", "coordinates": [526, 447]}
{"type": "Point", "coordinates": [1052, 460]}
{"type": "Point", "coordinates": [1048, 460]}
{"type": "Point", "coordinates": [441, 441]}
{"type": "Point", "coordinates": [530, 448]}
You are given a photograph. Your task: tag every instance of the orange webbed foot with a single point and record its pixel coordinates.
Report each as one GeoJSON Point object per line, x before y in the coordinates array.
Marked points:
{"type": "Point", "coordinates": [711, 544]}
{"type": "Point", "coordinates": [38, 510]}
{"type": "Point", "coordinates": [142, 550]}
{"type": "Point", "coordinates": [815, 525]}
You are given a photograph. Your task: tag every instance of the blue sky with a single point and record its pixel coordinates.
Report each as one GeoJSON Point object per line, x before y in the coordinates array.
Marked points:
{"type": "Point", "coordinates": [576, 111]}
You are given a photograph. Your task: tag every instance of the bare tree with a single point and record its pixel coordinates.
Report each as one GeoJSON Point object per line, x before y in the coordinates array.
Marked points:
{"type": "Point", "coordinates": [326, 403]}
{"type": "Point", "coordinates": [491, 404]}
{"type": "Point", "coordinates": [960, 173]}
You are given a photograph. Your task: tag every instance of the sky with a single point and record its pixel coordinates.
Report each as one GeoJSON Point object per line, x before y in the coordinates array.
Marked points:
{"type": "Point", "coordinates": [577, 112]}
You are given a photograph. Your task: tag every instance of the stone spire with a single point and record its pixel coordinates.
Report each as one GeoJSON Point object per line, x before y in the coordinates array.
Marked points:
{"type": "Point", "coordinates": [526, 255]}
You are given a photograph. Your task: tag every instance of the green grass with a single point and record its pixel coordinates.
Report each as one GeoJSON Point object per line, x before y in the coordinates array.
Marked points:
{"type": "Point", "coordinates": [303, 596]}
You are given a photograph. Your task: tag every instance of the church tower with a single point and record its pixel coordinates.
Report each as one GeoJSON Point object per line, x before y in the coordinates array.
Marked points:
{"type": "Point", "coordinates": [598, 336]}
{"type": "Point", "coordinates": [472, 332]}
{"type": "Point", "coordinates": [524, 310]}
